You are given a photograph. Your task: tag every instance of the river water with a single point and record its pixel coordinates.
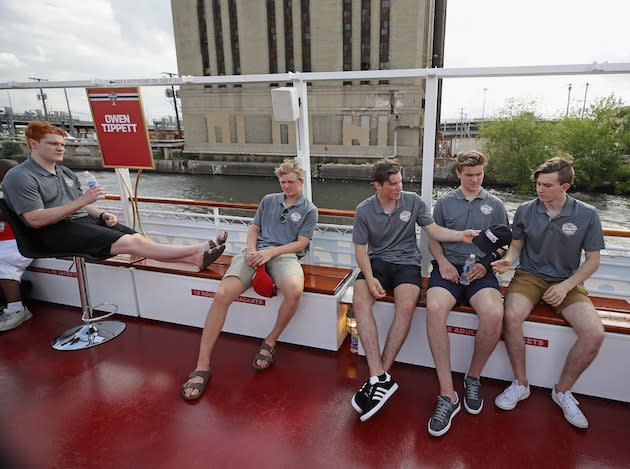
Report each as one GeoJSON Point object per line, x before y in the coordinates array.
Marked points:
{"type": "Point", "coordinates": [614, 210]}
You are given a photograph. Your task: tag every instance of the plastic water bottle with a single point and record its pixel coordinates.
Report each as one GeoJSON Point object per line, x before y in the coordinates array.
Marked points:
{"type": "Point", "coordinates": [354, 341]}
{"type": "Point", "coordinates": [467, 266]}
{"type": "Point", "coordinates": [91, 180]}
{"type": "Point", "coordinates": [351, 324]}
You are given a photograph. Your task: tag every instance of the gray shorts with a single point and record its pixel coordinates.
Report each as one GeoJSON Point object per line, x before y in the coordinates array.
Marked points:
{"type": "Point", "coordinates": [278, 267]}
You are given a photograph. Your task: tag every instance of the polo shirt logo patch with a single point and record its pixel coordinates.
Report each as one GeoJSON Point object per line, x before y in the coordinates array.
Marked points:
{"type": "Point", "coordinates": [485, 209]}
{"type": "Point", "coordinates": [295, 217]}
{"type": "Point", "coordinates": [405, 216]}
{"type": "Point", "coordinates": [569, 229]}
{"type": "Point", "coordinates": [69, 182]}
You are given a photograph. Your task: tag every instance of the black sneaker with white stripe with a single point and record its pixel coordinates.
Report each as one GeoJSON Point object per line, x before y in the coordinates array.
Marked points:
{"type": "Point", "coordinates": [361, 397]}
{"type": "Point", "coordinates": [378, 394]}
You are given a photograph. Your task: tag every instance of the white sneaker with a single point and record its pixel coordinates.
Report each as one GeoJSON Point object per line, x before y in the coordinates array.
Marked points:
{"type": "Point", "coordinates": [569, 405]}
{"type": "Point", "coordinates": [12, 319]}
{"type": "Point", "coordinates": [514, 393]}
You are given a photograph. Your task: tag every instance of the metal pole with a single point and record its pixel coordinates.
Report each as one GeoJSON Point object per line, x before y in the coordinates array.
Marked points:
{"type": "Point", "coordinates": [584, 105]}
{"type": "Point", "coordinates": [69, 113]}
{"type": "Point", "coordinates": [483, 107]}
{"type": "Point", "coordinates": [428, 157]}
{"type": "Point", "coordinates": [42, 96]}
{"type": "Point", "coordinates": [179, 129]}
{"type": "Point", "coordinates": [11, 120]}
{"type": "Point", "coordinates": [302, 134]}
{"type": "Point", "coordinates": [569, 98]}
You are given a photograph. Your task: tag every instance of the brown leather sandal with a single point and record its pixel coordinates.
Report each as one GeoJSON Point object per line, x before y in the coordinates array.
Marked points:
{"type": "Point", "coordinates": [268, 360]}
{"type": "Point", "coordinates": [199, 386]}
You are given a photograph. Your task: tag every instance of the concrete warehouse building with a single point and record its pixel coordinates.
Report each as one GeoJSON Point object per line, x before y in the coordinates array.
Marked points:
{"type": "Point", "coordinates": [354, 118]}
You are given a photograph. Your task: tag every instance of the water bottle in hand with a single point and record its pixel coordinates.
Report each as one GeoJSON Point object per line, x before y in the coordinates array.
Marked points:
{"type": "Point", "coordinates": [91, 180]}
{"type": "Point", "coordinates": [467, 266]}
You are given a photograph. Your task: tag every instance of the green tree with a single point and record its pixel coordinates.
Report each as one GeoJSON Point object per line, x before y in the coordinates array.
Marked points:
{"type": "Point", "coordinates": [596, 142]}
{"type": "Point", "coordinates": [516, 142]}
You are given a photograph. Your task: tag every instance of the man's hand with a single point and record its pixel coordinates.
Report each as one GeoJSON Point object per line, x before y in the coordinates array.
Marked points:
{"type": "Point", "coordinates": [449, 272]}
{"type": "Point", "coordinates": [476, 272]}
{"type": "Point", "coordinates": [255, 258]}
{"type": "Point", "coordinates": [375, 287]}
{"type": "Point", "coordinates": [469, 235]}
{"type": "Point", "coordinates": [556, 294]}
{"type": "Point", "coordinates": [109, 218]}
{"type": "Point", "coordinates": [501, 266]}
{"type": "Point", "coordinates": [93, 194]}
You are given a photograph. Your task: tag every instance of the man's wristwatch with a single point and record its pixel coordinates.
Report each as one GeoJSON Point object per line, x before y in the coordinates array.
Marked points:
{"type": "Point", "coordinates": [101, 216]}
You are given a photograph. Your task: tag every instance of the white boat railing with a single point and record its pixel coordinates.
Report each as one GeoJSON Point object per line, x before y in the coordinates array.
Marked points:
{"type": "Point", "coordinates": [332, 243]}
{"type": "Point", "coordinates": [431, 76]}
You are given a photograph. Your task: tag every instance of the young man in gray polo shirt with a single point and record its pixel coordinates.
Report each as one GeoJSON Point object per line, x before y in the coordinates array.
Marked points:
{"type": "Point", "coordinates": [48, 197]}
{"type": "Point", "coordinates": [549, 235]}
{"type": "Point", "coordinates": [469, 206]}
{"type": "Point", "coordinates": [278, 237]}
{"type": "Point", "coordinates": [387, 253]}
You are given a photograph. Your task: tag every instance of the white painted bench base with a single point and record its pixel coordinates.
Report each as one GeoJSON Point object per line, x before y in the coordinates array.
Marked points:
{"type": "Point", "coordinates": [547, 347]}
{"type": "Point", "coordinates": [319, 321]}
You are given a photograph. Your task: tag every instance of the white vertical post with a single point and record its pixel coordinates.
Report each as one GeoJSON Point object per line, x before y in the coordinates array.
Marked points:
{"type": "Point", "coordinates": [302, 135]}
{"type": "Point", "coordinates": [428, 156]}
{"type": "Point", "coordinates": [124, 185]}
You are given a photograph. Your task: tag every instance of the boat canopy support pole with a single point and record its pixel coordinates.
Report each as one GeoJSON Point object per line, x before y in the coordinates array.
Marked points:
{"type": "Point", "coordinates": [124, 186]}
{"type": "Point", "coordinates": [428, 157]}
{"type": "Point", "coordinates": [302, 134]}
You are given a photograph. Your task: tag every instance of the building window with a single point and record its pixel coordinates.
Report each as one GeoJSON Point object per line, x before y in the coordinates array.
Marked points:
{"type": "Point", "coordinates": [347, 35]}
{"type": "Point", "coordinates": [365, 34]}
{"type": "Point", "coordinates": [203, 37]}
{"type": "Point", "coordinates": [236, 54]}
{"type": "Point", "coordinates": [284, 134]}
{"type": "Point", "coordinates": [306, 36]}
{"type": "Point", "coordinates": [218, 37]}
{"type": "Point", "coordinates": [288, 35]}
{"type": "Point", "coordinates": [383, 63]}
{"type": "Point", "coordinates": [271, 37]}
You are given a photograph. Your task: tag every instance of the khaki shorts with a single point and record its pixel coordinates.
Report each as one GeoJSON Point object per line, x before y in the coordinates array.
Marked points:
{"type": "Point", "coordinates": [278, 267]}
{"type": "Point", "coordinates": [533, 286]}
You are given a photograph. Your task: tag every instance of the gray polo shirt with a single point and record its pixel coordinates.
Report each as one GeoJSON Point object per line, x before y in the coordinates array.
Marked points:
{"type": "Point", "coordinates": [29, 187]}
{"type": "Point", "coordinates": [553, 246]}
{"type": "Point", "coordinates": [391, 236]}
{"type": "Point", "coordinates": [300, 220]}
{"type": "Point", "coordinates": [455, 212]}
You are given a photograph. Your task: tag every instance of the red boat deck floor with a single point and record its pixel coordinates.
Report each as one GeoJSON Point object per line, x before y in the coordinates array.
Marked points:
{"type": "Point", "coordinates": [118, 405]}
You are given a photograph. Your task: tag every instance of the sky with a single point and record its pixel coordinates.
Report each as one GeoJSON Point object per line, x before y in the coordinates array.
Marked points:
{"type": "Point", "coordinates": [105, 39]}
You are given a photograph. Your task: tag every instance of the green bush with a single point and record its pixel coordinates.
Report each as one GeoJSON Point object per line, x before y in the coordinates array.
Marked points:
{"type": "Point", "coordinates": [10, 149]}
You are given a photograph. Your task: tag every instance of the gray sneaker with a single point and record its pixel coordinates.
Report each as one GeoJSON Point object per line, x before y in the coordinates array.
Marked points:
{"type": "Point", "coordinates": [440, 421]}
{"type": "Point", "coordinates": [473, 402]}
{"type": "Point", "coordinates": [12, 319]}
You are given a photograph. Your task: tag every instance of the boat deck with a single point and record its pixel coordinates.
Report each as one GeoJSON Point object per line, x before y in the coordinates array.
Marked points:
{"type": "Point", "coordinates": [118, 405]}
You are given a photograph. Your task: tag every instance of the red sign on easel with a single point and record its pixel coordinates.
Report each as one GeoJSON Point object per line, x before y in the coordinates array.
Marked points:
{"type": "Point", "coordinates": [121, 127]}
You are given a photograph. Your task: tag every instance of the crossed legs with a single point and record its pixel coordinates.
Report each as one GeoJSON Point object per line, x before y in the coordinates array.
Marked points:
{"type": "Point", "coordinates": [138, 245]}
